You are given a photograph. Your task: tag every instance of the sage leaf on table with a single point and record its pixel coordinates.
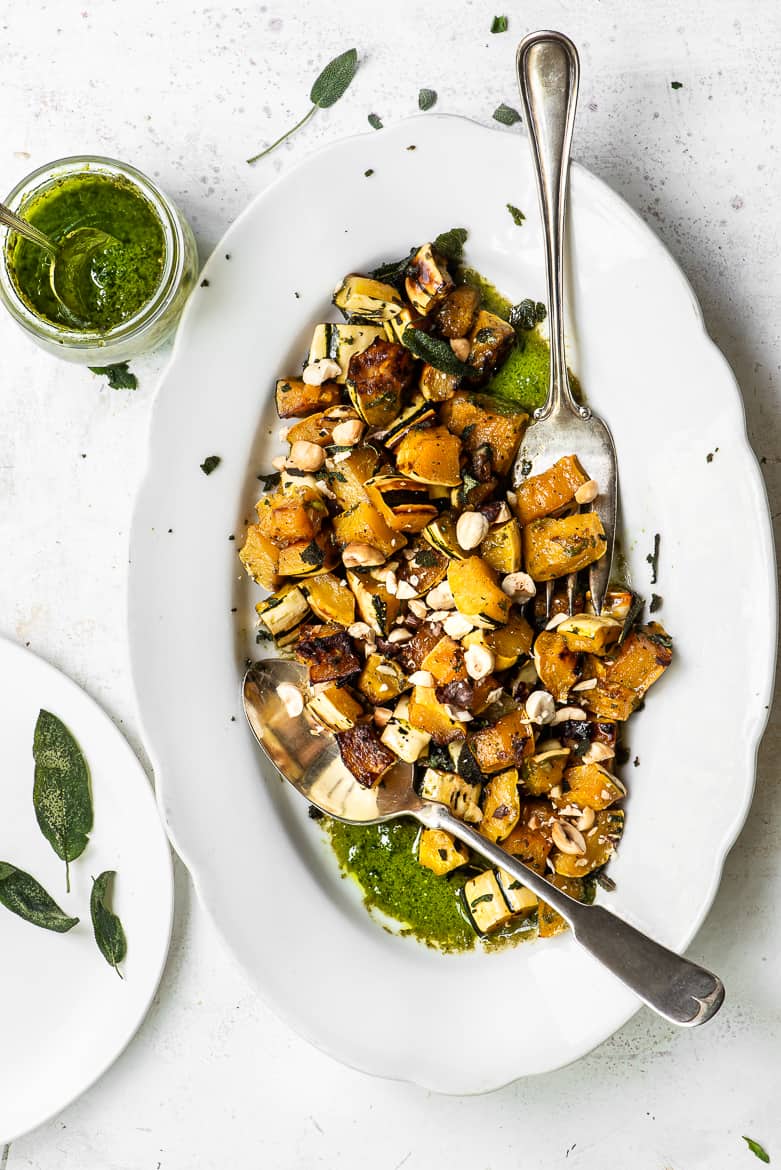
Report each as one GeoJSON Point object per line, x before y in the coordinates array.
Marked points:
{"type": "Point", "coordinates": [109, 934]}
{"type": "Point", "coordinates": [435, 351]}
{"type": "Point", "coordinates": [499, 24]}
{"type": "Point", "coordinates": [120, 376]}
{"type": "Point", "coordinates": [23, 895]}
{"type": "Point", "coordinates": [506, 115]}
{"type": "Point", "coordinates": [450, 244]}
{"type": "Point", "coordinates": [61, 790]}
{"type": "Point", "coordinates": [427, 98]}
{"type": "Point", "coordinates": [757, 1149]}
{"type": "Point", "coordinates": [328, 87]}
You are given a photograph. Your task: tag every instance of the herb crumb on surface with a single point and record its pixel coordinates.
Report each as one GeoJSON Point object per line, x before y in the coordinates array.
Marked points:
{"type": "Point", "coordinates": [757, 1149]}
{"type": "Point", "coordinates": [375, 121]}
{"type": "Point", "coordinates": [120, 376]}
{"type": "Point", "coordinates": [506, 115]}
{"type": "Point", "coordinates": [518, 216]}
{"type": "Point", "coordinates": [204, 283]}
{"type": "Point", "coordinates": [676, 85]}
{"type": "Point", "coordinates": [367, 173]}
{"type": "Point", "coordinates": [427, 98]}
{"type": "Point", "coordinates": [653, 559]}
{"type": "Point", "coordinates": [499, 24]}
{"type": "Point", "coordinates": [656, 603]}
{"type": "Point", "coordinates": [210, 463]}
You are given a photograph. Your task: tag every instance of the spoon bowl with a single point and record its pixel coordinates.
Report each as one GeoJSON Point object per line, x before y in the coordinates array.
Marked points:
{"type": "Point", "coordinates": [71, 270]}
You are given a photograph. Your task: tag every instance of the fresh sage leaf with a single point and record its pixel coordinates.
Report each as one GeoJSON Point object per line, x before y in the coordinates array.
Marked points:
{"type": "Point", "coordinates": [328, 87]}
{"type": "Point", "coordinates": [23, 895]}
{"type": "Point", "coordinates": [506, 115]}
{"type": "Point", "coordinates": [375, 121]}
{"type": "Point", "coordinates": [757, 1149]}
{"type": "Point", "coordinates": [120, 376]}
{"type": "Point", "coordinates": [499, 24]}
{"type": "Point", "coordinates": [61, 790]}
{"type": "Point", "coordinates": [394, 272]}
{"type": "Point", "coordinates": [527, 314]}
{"type": "Point", "coordinates": [518, 216]}
{"type": "Point", "coordinates": [210, 463]}
{"type": "Point", "coordinates": [434, 351]}
{"type": "Point", "coordinates": [427, 98]}
{"type": "Point", "coordinates": [451, 244]}
{"type": "Point", "coordinates": [333, 82]}
{"type": "Point", "coordinates": [109, 934]}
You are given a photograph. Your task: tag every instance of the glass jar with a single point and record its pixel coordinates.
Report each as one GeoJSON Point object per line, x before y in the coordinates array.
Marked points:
{"type": "Point", "coordinates": [156, 318]}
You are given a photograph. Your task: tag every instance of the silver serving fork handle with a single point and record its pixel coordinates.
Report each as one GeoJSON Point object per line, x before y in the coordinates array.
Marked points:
{"type": "Point", "coordinates": [548, 73]}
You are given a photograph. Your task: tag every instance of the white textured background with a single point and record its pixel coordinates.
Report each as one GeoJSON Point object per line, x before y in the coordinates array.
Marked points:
{"type": "Point", "coordinates": [186, 93]}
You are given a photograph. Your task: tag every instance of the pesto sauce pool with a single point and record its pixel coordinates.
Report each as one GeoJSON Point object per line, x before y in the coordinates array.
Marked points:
{"type": "Point", "coordinates": [122, 277]}
{"type": "Point", "coordinates": [382, 859]}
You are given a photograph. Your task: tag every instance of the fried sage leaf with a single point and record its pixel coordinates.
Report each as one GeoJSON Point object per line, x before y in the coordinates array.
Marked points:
{"type": "Point", "coordinates": [61, 791]}
{"type": "Point", "coordinates": [23, 895]}
{"type": "Point", "coordinates": [434, 351]}
{"type": "Point", "coordinates": [109, 934]}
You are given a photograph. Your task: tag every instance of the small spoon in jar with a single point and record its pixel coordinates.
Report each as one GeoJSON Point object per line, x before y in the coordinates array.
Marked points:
{"type": "Point", "coordinates": [307, 755]}
{"type": "Point", "coordinates": [71, 259]}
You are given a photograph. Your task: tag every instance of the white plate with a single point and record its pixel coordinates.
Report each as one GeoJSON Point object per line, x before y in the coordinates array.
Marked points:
{"type": "Point", "coordinates": [466, 1023]}
{"type": "Point", "coordinates": [64, 1015]}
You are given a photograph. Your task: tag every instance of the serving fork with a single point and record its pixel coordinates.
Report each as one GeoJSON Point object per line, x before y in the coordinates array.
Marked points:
{"type": "Point", "coordinates": [548, 73]}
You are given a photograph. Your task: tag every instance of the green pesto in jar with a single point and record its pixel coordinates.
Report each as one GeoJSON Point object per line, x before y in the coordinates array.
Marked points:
{"type": "Point", "coordinates": [121, 276]}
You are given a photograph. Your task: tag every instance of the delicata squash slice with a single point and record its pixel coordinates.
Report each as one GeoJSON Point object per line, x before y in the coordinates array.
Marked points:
{"type": "Point", "coordinates": [399, 564]}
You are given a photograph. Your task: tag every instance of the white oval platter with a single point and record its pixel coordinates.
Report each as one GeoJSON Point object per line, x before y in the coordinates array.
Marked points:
{"type": "Point", "coordinates": [637, 341]}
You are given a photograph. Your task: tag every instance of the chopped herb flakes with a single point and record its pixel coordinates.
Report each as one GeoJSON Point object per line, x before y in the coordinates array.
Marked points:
{"type": "Point", "coordinates": [210, 463]}
{"type": "Point", "coordinates": [375, 121]}
{"type": "Point", "coordinates": [451, 244]}
{"type": "Point", "coordinates": [482, 898]}
{"type": "Point", "coordinates": [757, 1149]}
{"type": "Point", "coordinates": [506, 115]}
{"type": "Point", "coordinates": [270, 481]}
{"type": "Point", "coordinates": [676, 85]}
{"type": "Point", "coordinates": [427, 98]}
{"type": "Point", "coordinates": [656, 603]}
{"type": "Point", "coordinates": [499, 24]}
{"type": "Point", "coordinates": [369, 172]}
{"type": "Point", "coordinates": [204, 283]}
{"type": "Point", "coordinates": [653, 560]}
{"type": "Point", "coordinates": [517, 215]}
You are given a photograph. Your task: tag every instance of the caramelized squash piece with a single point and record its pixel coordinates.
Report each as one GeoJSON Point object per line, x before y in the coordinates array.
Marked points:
{"type": "Point", "coordinates": [381, 680]}
{"type": "Point", "coordinates": [260, 558]}
{"type": "Point", "coordinates": [377, 379]}
{"type": "Point", "coordinates": [363, 524]}
{"type": "Point", "coordinates": [431, 455]}
{"type": "Point", "coordinates": [503, 745]}
{"type": "Point", "coordinates": [329, 599]}
{"type": "Point", "coordinates": [440, 852]}
{"type": "Point", "coordinates": [591, 786]}
{"type": "Point", "coordinates": [641, 660]}
{"type": "Point", "coordinates": [555, 664]}
{"type": "Point", "coordinates": [479, 422]}
{"type": "Point", "coordinates": [601, 840]}
{"type": "Point", "coordinates": [456, 315]}
{"type": "Point", "coordinates": [437, 386]}
{"type": "Point", "coordinates": [428, 714]}
{"type": "Point", "coordinates": [501, 805]}
{"type": "Point", "coordinates": [477, 593]}
{"type": "Point", "coordinates": [363, 754]}
{"type": "Point", "coordinates": [590, 634]}
{"type": "Point", "coordinates": [349, 475]}
{"type": "Point", "coordinates": [295, 398]}
{"type": "Point", "coordinates": [553, 548]}
{"type": "Point", "coordinates": [445, 661]}
{"type": "Point", "coordinates": [428, 281]}
{"type": "Point", "coordinates": [544, 771]}
{"type": "Point", "coordinates": [502, 547]}
{"type": "Point", "coordinates": [530, 840]}
{"type": "Point", "coordinates": [307, 558]}
{"type": "Point", "coordinates": [539, 495]}
{"type": "Point", "coordinates": [328, 653]}
{"type": "Point", "coordinates": [287, 517]}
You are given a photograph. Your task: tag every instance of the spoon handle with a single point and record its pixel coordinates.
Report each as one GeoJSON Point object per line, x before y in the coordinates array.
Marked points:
{"type": "Point", "coordinates": [17, 224]}
{"type": "Point", "coordinates": [676, 988]}
{"type": "Point", "coordinates": [548, 72]}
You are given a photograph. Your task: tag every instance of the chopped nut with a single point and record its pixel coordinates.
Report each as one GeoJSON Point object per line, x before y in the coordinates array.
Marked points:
{"type": "Point", "coordinates": [460, 347]}
{"type": "Point", "coordinates": [503, 515]}
{"type": "Point", "coordinates": [556, 620]}
{"type": "Point", "coordinates": [320, 370]}
{"type": "Point", "coordinates": [358, 555]}
{"type": "Point", "coordinates": [421, 678]}
{"type": "Point", "coordinates": [441, 596]}
{"type": "Point", "coordinates": [278, 462]}
{"type": "Point", "coordinates": [471, 528]}
{"type": "Point", "coordinates": [399, 635]}
{"type": "Point", "coordinates": [567, 713]}
{"type": "Point", "coordinates": [586, 820]}
{"type": "Point", "coordinates": [346, 434]}
{"type": "Point", "coordinates": [306, 456]}
{"type": "Point", "coordinates": [567, 838]}
{"type": "Point", "coordinates": [340, 412]}
{"type": "Point", "coordinates": [361, 630]}
{"type": "Point", "coordinates": [540, 707]}
{"type": "Point", "coordinates": [458, 626]}
{"type": "Point", "coordinates": [479, 661]}
{"type": "Point", "coordinates": [291, 698]}
{"type": "Point", "coordinates": [519, 587]}
{"type": "Point", "coordinates": [587, 492]}
{"type": "Point", "coordinates": [405, 592]}
{"type": "Point", "coordinates": [382, 716]}
{"type": "Point", "coordinates": [439, 615]}
{"type": "Point", "coordinates": [415, 605]}
{"type": "Point", "coordinates": [595, 753]}
{"type": "Point", "coordinates": [588, 684]}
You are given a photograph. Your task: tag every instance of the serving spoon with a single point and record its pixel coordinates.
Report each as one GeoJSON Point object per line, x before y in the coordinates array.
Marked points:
{"type": "Point", "coordinates": [307, 755]}
{"type": "Point", "coordinates": [70, 259]}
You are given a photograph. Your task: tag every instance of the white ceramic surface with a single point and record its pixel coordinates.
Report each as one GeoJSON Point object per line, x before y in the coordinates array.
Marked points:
{"type": "Point", "coordinates": [64, 1014]}
{"type": "Point", "coordinates": [638, 345]}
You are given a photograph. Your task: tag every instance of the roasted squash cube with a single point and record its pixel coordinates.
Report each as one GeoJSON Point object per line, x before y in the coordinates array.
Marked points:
{"type": "Point", "coordinates": [486, 902]}
{"type": "Point", "coordinates": [591, 786]}
{"type": "Point", "coordinates": [503, 745]}
{"type": "Point", "coordinates": [550, 921]}
{"type": "Point", "coordinates": [424, 569]}
{"type": "Point", "coordinates": [553, 548]}
{"type": "Point", "coordinates": [260, 558]}
{"type": "Point", "coordinates": [316, 428]}
{"type": "Point", "coordinates": [530, 840]}
{"type": "Point", "coordinates": [458, 794]}
{"type": "Point", "coordinates": [590, 634]}
{"type": "Point", "coordinates": [440, 852]}
{"type": "Point", "coordinates": [501, 805]}
{"type": "Point", "coordinates": [349, 475]}
{"type": "Point", "coordinates": [366, 299]}
{"type": "Point", "coordinates": [437, 386]}
{"type": "Point", "coordinates": [377, 607]}
{"type": "Point", "coordinates": [431, 455]}
{"type": "Point", "coordinates": [642, 659]}
{"type": "Point", "coordinates": [363, 524]}
{"type": "Point", "coordinates": [307, 558]}
{"type": "Point", "coordinates": [445, 661]}
{"type": "Point", "coordinates": [427, 713]}
{"type": "Point", "coordinates": [477, 593]}
{"type": "Point", "coordinates": [381, 680]}
{"type": "Point", "coordinates": [539, 495]}
{"type": "Point", "coordinates": [479, 421]}
{"type": "Point", "coordinates": [336, 708]}
{"type": "Point", "coordinates": [544, 771]}
{"type": "Point", "coordinates": [295, 398]}
{"type": "Point", "coordinates": [611, 701]}
{"type": "Point", "coordinates": [363, 754]}
{"type": "Point", "coordinates": [516, 895]}
{"type": "Point", "coordinates": [456, 315]}
{"type": "Point", "coordinates": [328, 653]}
{"type": "Point", "coordinates": [555, 664]}
{"type": "Point", "coordinates": [287, 517]}
{"type": "Point", "coordinates": [601, 840]}
{"type": "Point", "coordinates": [329, 599]}
{"type": "Point", "coordinates": [377, 379]}
{"type": "Point", "coordinates": [491, 340]}
{"type": "Point", "coordinates": [501, 548]}
{"type": "Point", "coordinates": [428, 281]}
{"type": "Point", "coordinates": [284, 611]}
